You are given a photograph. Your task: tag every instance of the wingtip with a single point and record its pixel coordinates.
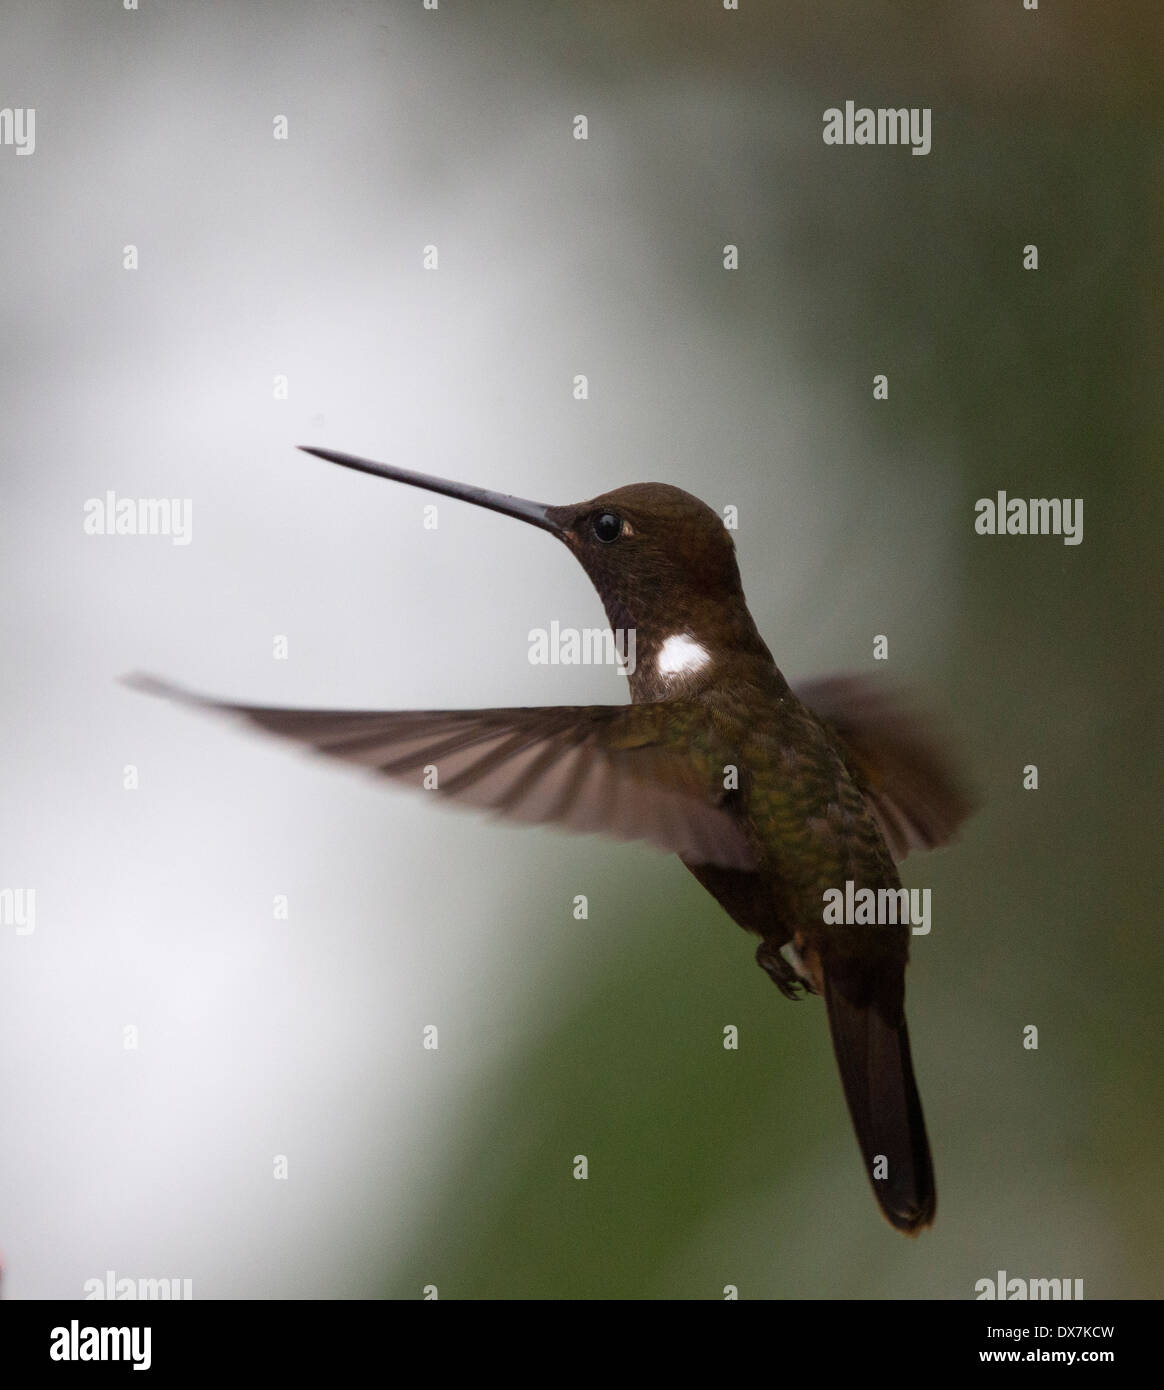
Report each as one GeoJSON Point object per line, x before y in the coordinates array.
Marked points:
{"type": "Point", "coordinates": [143, 681]}
{"type": "Point", "coordinates": [145, 684]}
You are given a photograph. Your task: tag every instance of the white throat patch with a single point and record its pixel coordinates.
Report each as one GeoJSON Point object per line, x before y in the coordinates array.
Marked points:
{"type": "Point", "coordinates": [681, 655]}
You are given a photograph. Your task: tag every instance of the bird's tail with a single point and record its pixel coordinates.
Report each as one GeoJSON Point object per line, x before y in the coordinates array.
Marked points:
{"type": "Point", "coordinates": [877, 1075]}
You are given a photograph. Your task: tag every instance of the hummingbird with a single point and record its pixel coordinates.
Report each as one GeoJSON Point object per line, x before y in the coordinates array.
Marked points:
{"type": "Point", "coordinates": [770, 796]}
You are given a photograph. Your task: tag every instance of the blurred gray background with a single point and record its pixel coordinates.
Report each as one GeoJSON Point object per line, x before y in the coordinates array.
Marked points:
{"type": "Point", "coordinates": [302, 1037]}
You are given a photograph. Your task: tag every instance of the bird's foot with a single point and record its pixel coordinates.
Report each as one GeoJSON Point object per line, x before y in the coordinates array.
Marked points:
{"type": "Point", "coordinates": [784, 976]}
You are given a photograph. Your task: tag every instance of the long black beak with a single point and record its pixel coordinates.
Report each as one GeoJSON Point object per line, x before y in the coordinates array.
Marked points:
{"type": "Point", "coordinates": [533, 512]}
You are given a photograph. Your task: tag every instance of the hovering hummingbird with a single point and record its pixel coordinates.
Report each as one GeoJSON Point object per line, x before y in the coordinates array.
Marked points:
{"type": "Point", "coordinates": [770, 797]}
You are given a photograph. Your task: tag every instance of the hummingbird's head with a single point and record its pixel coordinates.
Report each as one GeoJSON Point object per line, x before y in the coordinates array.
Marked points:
{"type": "Point", "coordinates": [663, 562]}
{"type": "Point", "coordinates": [664, 565]}
{"type": "Point", "coordinates": [652, 551]}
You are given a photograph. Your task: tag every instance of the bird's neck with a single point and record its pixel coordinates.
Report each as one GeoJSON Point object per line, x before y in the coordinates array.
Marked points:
{"type": "Point", "coordinates": [688, 653]}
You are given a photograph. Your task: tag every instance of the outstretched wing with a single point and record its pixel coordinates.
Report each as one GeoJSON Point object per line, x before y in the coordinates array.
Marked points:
{"type": "Point", "coordinates": [910, 784]}
{"type": "Point", "coordinates": [604, 769]}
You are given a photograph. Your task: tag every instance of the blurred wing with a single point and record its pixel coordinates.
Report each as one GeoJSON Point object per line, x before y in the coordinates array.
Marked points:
{"type": "Point", "coordinates": [605, 769]}
{"type": "Point", "coordinates": [911, 785]}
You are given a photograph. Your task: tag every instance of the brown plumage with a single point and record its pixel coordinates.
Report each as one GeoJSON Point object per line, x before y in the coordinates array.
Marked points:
{"type": "Point", "coordinates": [770, 797]}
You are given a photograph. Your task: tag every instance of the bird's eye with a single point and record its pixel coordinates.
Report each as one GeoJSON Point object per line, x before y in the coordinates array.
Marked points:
{"type": "Point", "coordinates": [607, 527]}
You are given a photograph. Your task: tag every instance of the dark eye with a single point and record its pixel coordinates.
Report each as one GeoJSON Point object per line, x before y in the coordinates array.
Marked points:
{"type": "Point", "coordinates": [607, 527]}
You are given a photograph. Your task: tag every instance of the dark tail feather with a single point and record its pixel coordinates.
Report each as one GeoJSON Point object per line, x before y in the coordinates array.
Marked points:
{"type": "Point", "coordinates": [877, 1075]}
